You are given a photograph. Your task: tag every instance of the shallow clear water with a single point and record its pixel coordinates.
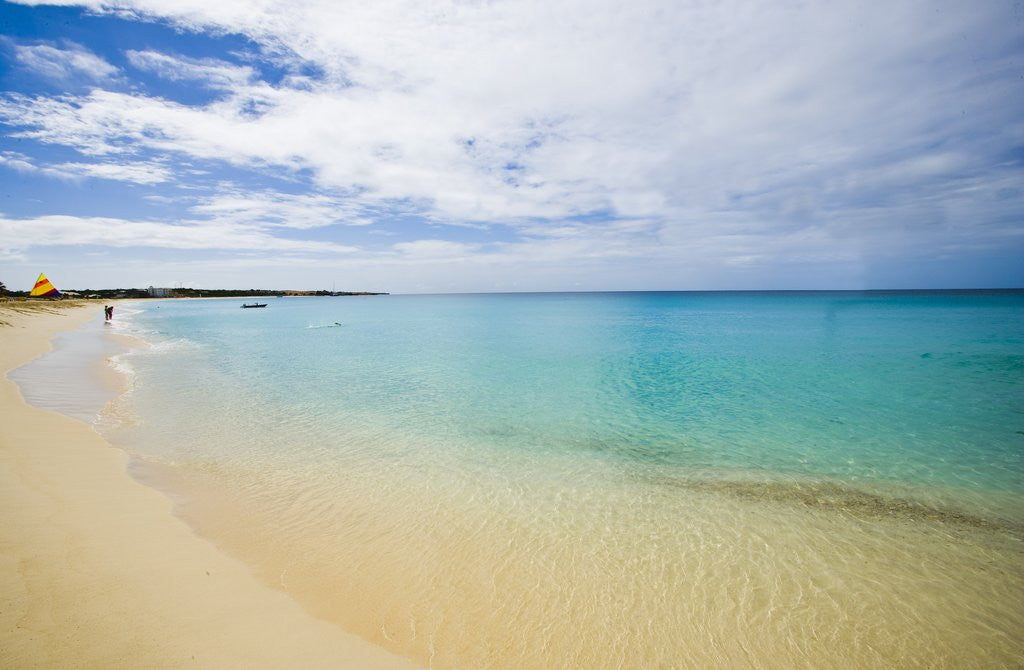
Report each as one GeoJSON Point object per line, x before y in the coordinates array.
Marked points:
{"type": "Point", "coordinates": [607, 480]}
{"type": "Point", "coordinates": [73, 378]}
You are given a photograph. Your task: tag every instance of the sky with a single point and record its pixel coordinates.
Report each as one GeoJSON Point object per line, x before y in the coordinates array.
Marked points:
{"type": "Point", "coordinates": [512, 145]}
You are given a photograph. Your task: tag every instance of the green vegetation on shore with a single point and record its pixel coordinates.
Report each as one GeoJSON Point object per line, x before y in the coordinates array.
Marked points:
{"type": "Point", "coordinates": [110, 293]}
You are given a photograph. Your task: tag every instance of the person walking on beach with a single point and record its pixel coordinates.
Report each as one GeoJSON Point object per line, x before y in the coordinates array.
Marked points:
{"type": "Point", "coordinates": [108, 312]}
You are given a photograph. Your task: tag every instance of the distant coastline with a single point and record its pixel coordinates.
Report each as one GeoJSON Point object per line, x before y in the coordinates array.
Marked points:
{"type": "Point", "coordinates": [153, 292]}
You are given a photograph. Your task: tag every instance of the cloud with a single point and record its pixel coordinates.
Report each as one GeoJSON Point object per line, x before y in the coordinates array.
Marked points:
{"type": "Point", "coordinates": [267, 208]}
{"type": "Point", "coordinates": [137, 173]}
{"type": "Point", "coordinates": [21, 234]}
{"type": "Point", "coordinates": [213, 72]}
{"type": "Point", "coordinates": [435, 249]}
{"type": "Point", "coordinates": [734, 132]}
{"type": "Point", "coordinates": [18, 161]}
{"type": "Point", "coordinates": [134, 172]}
{"type": "Point", "coordinates": [64, 64]}
{"type": "Point", "coordinates": [496, 112]}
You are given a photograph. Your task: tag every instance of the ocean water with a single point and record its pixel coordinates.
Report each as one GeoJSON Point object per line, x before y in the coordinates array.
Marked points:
{"type": "Point", "coordinates": [606, 480]}
{"type": "Point", "coordinates": [74, 378]}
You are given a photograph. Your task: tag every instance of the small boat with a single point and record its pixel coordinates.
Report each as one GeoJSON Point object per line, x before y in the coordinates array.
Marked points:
{"type": "Point", "coordinates": [246, 305]}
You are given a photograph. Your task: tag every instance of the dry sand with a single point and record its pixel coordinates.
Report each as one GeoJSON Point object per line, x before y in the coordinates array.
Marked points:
{"type": "Point", "coordinates": [96, 572]}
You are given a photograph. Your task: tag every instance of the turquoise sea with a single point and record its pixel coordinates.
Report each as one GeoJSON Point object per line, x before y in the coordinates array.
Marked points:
{"type": "Point", "coordinates": [812, 479]}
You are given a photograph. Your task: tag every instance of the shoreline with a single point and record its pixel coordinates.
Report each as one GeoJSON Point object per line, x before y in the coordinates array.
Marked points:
{"type": "Point", "coordinates": [453, 562]}
{"type": "Point", "coordinates": [96, 570]}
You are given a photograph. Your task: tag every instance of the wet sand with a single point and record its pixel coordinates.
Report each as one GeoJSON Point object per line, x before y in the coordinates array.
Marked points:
{"type": "Point", "coordinates": [96, 571]}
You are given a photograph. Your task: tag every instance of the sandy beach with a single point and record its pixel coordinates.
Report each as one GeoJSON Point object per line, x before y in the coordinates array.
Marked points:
{"type": "Point", "coordinates": [96, 571]}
